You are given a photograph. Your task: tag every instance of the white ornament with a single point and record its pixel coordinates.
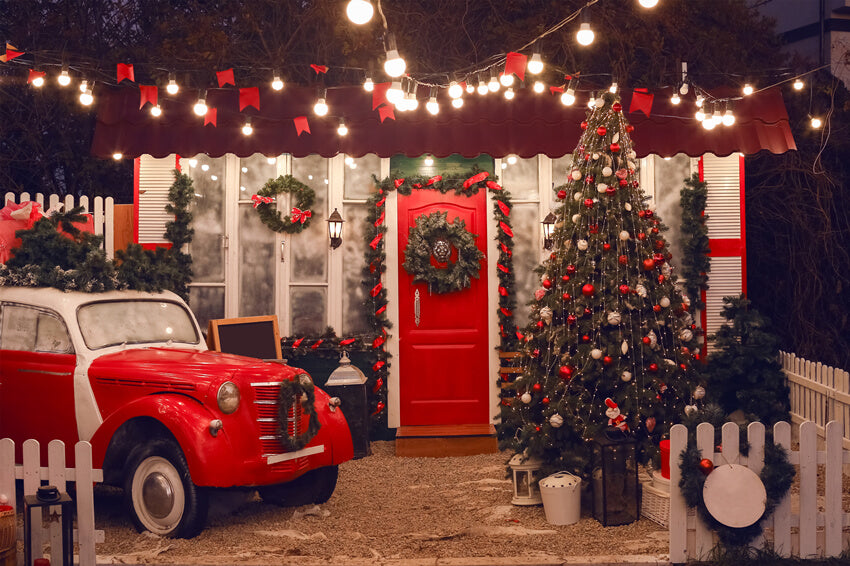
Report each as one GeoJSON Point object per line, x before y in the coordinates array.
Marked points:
{"type": "Point", "coordinates": [614, 317]}
{"type": "Point", "coordinates": [576, 218]}
{"type": "Point", "coordinates": [669, 362]}
{"type": "Point", "coordinates": [582, 245]}
{"type": "Point", "coordinates": [526, 398]}
{"type": "Point", "coordinates": [600, 102]}
{"type": "Point", "coordinates": [626, 376]}
{"type": "Point", "coordinates": [616, 138]}
{"type": "Point", "coordinates": [577, 196]}
{"type": "Point", "coordinates": [575, 174]}
{"type": "Point", "coordinates": [628, 207]}
{"type": "Point", "coordinates": [691, 410]}
{"type": "Point", "coordinates": [556, 420]}
{"type": "Point", "coordinates": [595, 156]}
{"type": "Point", "coordinates": [640, 290]}
{"type": "Point", "coordinates": [632, 155]}
{"type": "Point", "coordinates": [664, 302]}
{"type": "Point", "coordinates": [601, 187]}
{"type": "Point", "coordinates": [546, 315]}
{"type": "Point", "coordinates": [653, 339]}
{"type": "Point", "coordinates": [624, 347]}
{"type": "Point", "coordinates": [606, 171]}
{"type": "Point", "coordinates": [596, 353]}
{"type": "Point", "coordinates": [699, 392]}
{"type": "Point", "coordinates": [686, 335]}
{"type": "Point", "coordinates": [624, 236]}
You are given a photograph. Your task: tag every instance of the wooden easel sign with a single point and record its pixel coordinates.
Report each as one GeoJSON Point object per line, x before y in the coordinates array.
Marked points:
{"type": "Point", "coordinates": [253, 336]}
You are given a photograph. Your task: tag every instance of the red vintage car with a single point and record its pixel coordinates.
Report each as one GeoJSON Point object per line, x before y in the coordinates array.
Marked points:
{"type": "Point", "coordinates": [167, 418]}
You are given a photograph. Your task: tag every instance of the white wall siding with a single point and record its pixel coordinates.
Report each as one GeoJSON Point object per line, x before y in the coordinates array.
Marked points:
{"type": "Point", "coordinates": [155, 179]}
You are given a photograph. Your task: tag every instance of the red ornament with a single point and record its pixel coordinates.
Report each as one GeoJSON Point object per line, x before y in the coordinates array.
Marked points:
{"type": "Point", "coordinates": [587, 157]}
{"type": "Point", "coordinates": [536, 387]}
{"type": "Point", "coordinates": [547, 284]}
{"type": "Point", "coordinates": [588, 179]}
{"type": "Point", "coordinates": [696, 357]}
{"type": "Point", "coordinates": [658, 258]}
{"type": "Point", "coordinates": [635, 184]}
{"type": "Point", "coordinates": [659, 244]}
{"type": "Point", "coordinates": [648, 264]}
{"type": "Point", "coordinates": [537, 429]}
{"type": "Point", "coordinates": [601, 130]}
{"type": "Point", "coordinates": [607, 360]}
{"type": "Point", "coordinates": [571, 319]}
{"type": "Point", "coordinates": [566, 372]}
{"type": "Point", "coordinates": [623, 260]}
{"type": "Point", "coordinates": [629, 128]}
{"type": "Point", "coordinates": [545, 401]}
{"type": "Point", "coordinates": [552, 256]}
{"type": "Point", "coordinates": [535, 353]}
{"type": "Point", "coordinates": [653, 367]}
{"type": "Point", "coordinates": [649, 213]}
{"type": "Point", "coordinates": [623, 183]}
{"type": "Point", "coordinates": [661, 279]}
{"type": "Point", "coordinates": [593, 228]}
{"type": "Point", "coordinates": [606, 246]}
{"type": "Point", "coordinates": [615, 147]}
{"type": "Point", "coordinates": [616, 107]}
{"type": "Point", "coordinates": [585, 338]}
{"type": "Point", "coordinates": [706, 466]}
{"type": "Point", "coordinates": [641, 213]}
{"type": "Point", "coordinates": [641, 236]}
{"type": "Point", "coordinates": [654, 230]}
{"type": "Point", "coordinates": [565, 278]}
{"type": "Point", "coordinates": [610, 190]}
{"type": "Point", "coordinates": [656, 308]}
{"type": "Point", "coordinates": [650, 423]}
{"type": "Point", "coordinates": [566, 296]}
{"type": "Point", "coordinates": [588, 202]}
{"type": "Point", "coordinates": [539, 324]}
{"type": "Point", "coordinates": [584, 127]}
{"type": "Point", "coordinates": [587, 311]}
{"type": "Point", "coordinates": [646, 340]}
{"type": "Point", "coordinates": [571, 269]}
{"type": "Point", "coordinates": [624, 289]}
{"type": "Point", "coordinates": [588, 290]}
{"type": "Point", "coordinates": [683, 367]}
{"type": "Point", "coordinates": [562, 194]}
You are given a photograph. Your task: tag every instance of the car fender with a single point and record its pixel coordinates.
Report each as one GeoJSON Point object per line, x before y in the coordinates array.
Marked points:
{"type": "Point", "coordinates": [335, 430]}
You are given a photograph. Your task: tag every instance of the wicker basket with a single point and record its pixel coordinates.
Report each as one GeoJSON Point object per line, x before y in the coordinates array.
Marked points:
{"type": "Point", "coordinates": [655, 505]}
{"type": "Point", "coordinates": [7, 527]}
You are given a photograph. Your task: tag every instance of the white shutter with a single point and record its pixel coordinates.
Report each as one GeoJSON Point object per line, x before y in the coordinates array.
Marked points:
{"type": "Point", "coordinates": [155, 179]}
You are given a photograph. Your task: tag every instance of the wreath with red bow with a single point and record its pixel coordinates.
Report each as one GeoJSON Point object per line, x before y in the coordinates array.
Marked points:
{"type": "Point", "coordinates": [300, 215]}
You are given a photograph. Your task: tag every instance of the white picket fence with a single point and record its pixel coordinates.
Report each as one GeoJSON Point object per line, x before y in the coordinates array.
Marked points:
{"type": "Point", "coordinates": [819, 393]}
{"type": "Point", "coordinates": [806, 525]}
{"type": "Point", "coordinates": [55, 473]}
{"type": "Point", "coordinates": [102, 210]}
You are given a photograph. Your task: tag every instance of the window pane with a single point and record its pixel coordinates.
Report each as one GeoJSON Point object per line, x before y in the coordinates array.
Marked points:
{"type": "Point", "coordinates": [561, 170]}
{"type": "Point", "coordinates": [254, 172]}
{"type": "Point", "coordinates": [670, 178]}
{"type": "Point", "coordinates": [353, 315]}
{"type": "Point", "coordinates": [208, 209]}
{"type": "Point", "coordinates": [19, 328]}
{"type": "Point", "coordinates": [521, 178]}
{"type": "Point", "coordinates": [207, 303]}
{"type": "Point", "coordinates": [52, 335]}
{"type": "Point", "coordinates": [310, 247]}
{"type": "Point", "coordinates": [358, 182]}
{"type": "Point", "coordinates": [526, 257]}
{"type": "Point", "coordinates": [309, 306]}
{"type": "Point", "coordinates": [257, 264]}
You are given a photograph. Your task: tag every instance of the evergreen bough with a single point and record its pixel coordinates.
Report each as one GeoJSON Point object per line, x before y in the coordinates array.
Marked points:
{"type": "Point", "coordinates": [696, 263]}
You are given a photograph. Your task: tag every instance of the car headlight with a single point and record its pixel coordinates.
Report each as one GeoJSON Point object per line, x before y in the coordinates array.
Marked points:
{"type": "Point", "coordinates": [228, 397]}
{"type": "Point", "coordinates": [304, 379]}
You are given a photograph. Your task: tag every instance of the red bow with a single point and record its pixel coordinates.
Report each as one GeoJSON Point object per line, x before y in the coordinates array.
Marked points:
{"type": "Point", "coordinates": [258, 200]}
{"type": "Point", "coordinates": [299, 215]}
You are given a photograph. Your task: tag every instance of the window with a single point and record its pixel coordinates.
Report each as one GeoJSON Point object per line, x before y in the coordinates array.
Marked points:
{"type": "Point", "coordinates": [33, 330]}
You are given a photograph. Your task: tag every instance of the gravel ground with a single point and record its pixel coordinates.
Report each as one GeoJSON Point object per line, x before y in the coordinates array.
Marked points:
{"type": "Point", "coordinates": [384, 508]}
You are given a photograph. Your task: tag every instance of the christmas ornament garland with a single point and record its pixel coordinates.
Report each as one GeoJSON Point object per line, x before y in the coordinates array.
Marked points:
{"type": "Point", "coordinates": [433, 235]}
{"type": "Point", "coordinates": [776, 475]}
{"type": "Point", "coordinates": [300, 216]}
{"type": "Point", "coordinates": [306, 394]}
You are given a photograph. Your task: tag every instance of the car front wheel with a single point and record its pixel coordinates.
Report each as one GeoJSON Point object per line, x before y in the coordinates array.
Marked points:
{"type": "Point", "coordinates": [160, 494]}
{"type": "Point", "coordinates": [316, 486]}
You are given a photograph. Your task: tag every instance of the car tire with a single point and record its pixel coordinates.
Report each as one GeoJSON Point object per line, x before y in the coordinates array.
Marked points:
{"type": "Point", "coordinates": [159, 492]}
{"type": "Point", "coordinates": [316, 486]}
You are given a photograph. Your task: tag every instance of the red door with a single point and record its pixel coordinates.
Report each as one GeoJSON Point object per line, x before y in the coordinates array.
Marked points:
{"type": "Point", "coordinates": [443, 372]}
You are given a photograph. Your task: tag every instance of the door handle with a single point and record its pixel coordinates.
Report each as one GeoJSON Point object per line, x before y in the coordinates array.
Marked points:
{"type": "Point", "coordinates": [416, 307]}
{"type": "Point", "coordinates": [282, 250]}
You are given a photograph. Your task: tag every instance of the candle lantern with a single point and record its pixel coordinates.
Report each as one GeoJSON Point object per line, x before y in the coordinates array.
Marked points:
{"type": "Point", "coordinates": [526, 473]}
{"type": "Point", "coordinates": [616, 499]}
{"type": "Point", "coordinates": [48, 496]}
{"type": "Point", "coordinates": [348, 383]}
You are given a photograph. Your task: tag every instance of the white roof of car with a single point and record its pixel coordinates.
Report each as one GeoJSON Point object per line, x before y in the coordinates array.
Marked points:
{"type": "Point", "coordinates": [67, 302]}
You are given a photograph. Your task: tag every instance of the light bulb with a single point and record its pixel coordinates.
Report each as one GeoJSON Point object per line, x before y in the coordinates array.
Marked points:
{"type": "Point", "coordinates": [798, 84]}
{"type": "Point", "coordinates": [613, 88]}
{"type": "Point", "coordinates": [200, 107]}
{"type": "Point", "coordinates": [683, 90]}
{"type": "Point", "coordinates": [535, 64]}
{"type": "Point", "coordinates": [86, 97]}
{"type": "Point", "coordinates": [700, 115]}
{"type": "Point", "coordinates": [648, 3]}
{"type": "Point", "coordinates": [585, 35]}
{"type": "Point", "coordinates": [493, 85]}
{"type": "Point", "coordinates": [455, 90]}
{"type": "Point", "coordinates": [816, 122]}
{"type": "Point", "coordinates": [748, 89]}
{"type": "Point", "coordinates": [512, 159]}
{"type": "Point", "coordinates": [394, 65]}
{"type": "Point", "coordinates": [539, 87]}
{"type": "Point", "coordinates": [342, 129]}
{"type": "Point", "coordinates": [277, 83]}
{"type": "Point", "coordinates": [395, 93]}
{"type": "Point", "coordinates": [349, 160]}
{"type": "Point", "coordinates": [321, 107]}
{"type": "Point", "coordinates": [569, 97]}
{"type": "Point", "coordinates": [429, 161]}
{"type": "Point", "coordinates": [38, 82]}
{"type": "Point", "coordinates": [412, 101]}
{"type": "Point", "coordinates": [359, 11]}
{"type": "Point", "coordinates": [506, 79]}
{"type": "Point", "coordinates": [728, 117]}
{"type": "Point", "coordinates": [708, 123]}
{"type": "Point", "coordinates": [716, 116]}
{"type": "Point", "coordinates": [84, 85]}
{"type": "Point", "coordinates": [271, 160]}
{"type": "Point", "coordinates": [509, 94]}
{"type": "Point", "coordinates": [469, 88]}
{"type": "Point", "coordinates": [368, 85]}
{"type": "Point", "coordinates": [156, 111]}
{"type": "Point", "coordinates": [592, 102]}
{"type": "Point", "coordinates": [247, 130]}
{"type": "Point", "coordinates": [675, 98]}
{"type": "Point", "coordinates": [117, 156]}
{"type": "Point", "coordinates": [64, 79]}
{"type": "Point", "coordinates": [172, 87]}
{"type": "Point", "coordinates": [482, 87]}
{"type": "Point", "coordinates": [457, 102]}
{"type": "Point", "coordinates": [432, 106]}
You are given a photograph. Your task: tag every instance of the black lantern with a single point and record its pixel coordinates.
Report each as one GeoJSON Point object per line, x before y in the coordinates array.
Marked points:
{"type": "Point", "coordinates": [48, 496]}
{"type": "Point", "coordinates": [616, 499]}
{"type": "Point", "coordinates": [548, 230]}
{"type": "Point", "coordinates": [348, 383]}
{"type": "Point", "coordinates": [335, 229]}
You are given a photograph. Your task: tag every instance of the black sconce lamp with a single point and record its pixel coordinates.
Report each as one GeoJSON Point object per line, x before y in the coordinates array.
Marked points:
{"type": "Point", "coordinates": [335, 229]}
{"type": "Point", "coordinates": [548, 230]}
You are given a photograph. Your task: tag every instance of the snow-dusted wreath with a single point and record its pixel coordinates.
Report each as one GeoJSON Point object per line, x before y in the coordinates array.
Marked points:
{"type": "Point", "coordinates": [434, 235]}
{"type": "Point", "coordinates": [300, 216]}
{"type": "Point", "coordinates": [292, 392]}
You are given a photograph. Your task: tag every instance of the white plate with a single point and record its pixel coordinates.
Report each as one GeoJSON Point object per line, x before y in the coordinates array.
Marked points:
{"type": "Point", "coordinates": [734, 495]}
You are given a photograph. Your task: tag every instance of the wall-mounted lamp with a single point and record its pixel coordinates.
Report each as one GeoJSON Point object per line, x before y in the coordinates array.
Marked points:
{"type": "Point", "coordinates": [335, 229]}
{"type": "Point", "coordinates": [548, 230]}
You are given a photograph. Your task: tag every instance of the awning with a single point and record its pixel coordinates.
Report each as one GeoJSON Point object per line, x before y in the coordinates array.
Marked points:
{"type": "Point", "coordinates": [528, 125]}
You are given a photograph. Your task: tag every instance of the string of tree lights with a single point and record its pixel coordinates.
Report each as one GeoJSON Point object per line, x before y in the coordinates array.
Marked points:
{"type": "Point", "coordinates": [505, 74]}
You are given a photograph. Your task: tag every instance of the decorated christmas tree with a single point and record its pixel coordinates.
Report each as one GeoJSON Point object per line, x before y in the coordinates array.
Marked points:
{"type": "Point", "coordinates": [611, 342]}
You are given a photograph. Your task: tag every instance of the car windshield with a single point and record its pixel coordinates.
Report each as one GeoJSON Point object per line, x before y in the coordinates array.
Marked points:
{"type": "Point", "coordinates": [109, 323]}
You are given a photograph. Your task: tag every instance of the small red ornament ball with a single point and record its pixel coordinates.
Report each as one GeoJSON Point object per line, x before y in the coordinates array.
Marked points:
{"type": "Point", "coordinates": [588, 179]}
{"type": "Point", "coordinates": [629, 128]}
{"type": "Point", "coordinates": [606, 246]}
{"type": "Point", "coordinates": [653, 367]}
{"type": "Point", "coordinates": [610, 190]}
{"type": "Point", "coordinates": [641, 236]}
{"type": "Point", "coordinates": [623, 260]}
{"type": "Point", "coordinates": [566, 296]}
{"type": "Point", "coordinates": [648, 264]}
{"type": "Point", "coordinates": [565, 372]}
{"type": "Point", "coordinates": [635, 184]}
{"type": "Point", "coordinates": [623, 183]}
{"type": "Point", "coordinates": [535, 353]}
{"type": "Point", "coordinates": [536, 387]}
{"type": "Point", "coordinates": [601, 130]}
{"type": "Point", "coordinates": [624, 289]}
{"type": "Point", "coordinates": [571, 269]}
{"type": "Point", "coordinates": [552, 256]}
{"type": "Point", "coordinates": [539, 324]}
{"type": "Point", "coordinates": [565, 278]}
{"type": "Point", "coordinates": [661, 279]}
{"type": "Point", "coordinates": [658, 258]}
{"type": "Point", "coordinates": [646, 340]}
{"type": "Point", "coordinates": [587, 311]}
{"type": "Point", "coordinates": [562, 194]}
{"type": "Point", "coordinates": [641, 213]}
{"type": "Point", "coordinates": [654, 230]}
{"type": "Point", "coordinates": [588, 202]}
{"type": "Point", "coordinates": [656, 308]}
{"type": "Point", "coordinates": [706, 466]}
{"type": "Point", "coordinates": [648, 213]}
{"type": "Point", "coordinates": [571, 319]}
{"type": "Point", "coordinates": [545, 401]}
{"type": "Point", "coordinates": [616, 107]}
{"type": "Point", "coordinates": [588, 290]}
{"type": "Point", "coordinates": [615, 147]}
{"type": "Point", "coordinates": [659, 244]}
{"type": "Point", "coordinates": [697, 357]}
{"type": "Point", "coordinates": [607, 360]}
{"type": "Point", "coordinates": [683, 367]}
{"type": "Point", "coordinates": [584, 125]}
{"type": "Point", "coordinates": [585, 338]}
{"type": "Point", "coordinates": [547, 284]}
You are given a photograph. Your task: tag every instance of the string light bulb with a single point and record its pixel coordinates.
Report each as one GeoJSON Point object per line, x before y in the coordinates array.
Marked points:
{"type": "Point", "coordinates": [700, 100]}
{"type": "Point", "coordinates": [271, 160]}
{"type": "Point", "coordinates": [359, 11]}
{"type": "Point", "coordinates": [342, 129]}
{"type": "Point", "coordinates": [716, 116]}
{"type": "Point", "coordinates": [394, 66]}
{"type": "Point", "coordinates": [395, 93]}
{"type": "Point", "coordinates": [117, 156]}
{"type": "Point", "coordinates": [321, 107]}
{"type": "Point", "coordinates": [84, 84]}
{"type": "Point", "coordinates": [613, 88]}
{"type": "Point", "coordinates": [156, 111]}
{"type": "Point", "coordinates": [200, 107]}
{"type": "Point", "coordinates": [86, 97]}
{"type": "Point", "coordinates": [277, 83]}
{"type": "Point", "coordinates": [585, 35]}
{"type": "Point", "coordinates": [569, 97]}
{"type": "Point", "coordinates": [799, 84]}
{"type": "Point", "coordinates": [470, 88]}
{"type": "Point", "coordinates": [368, 85]}
{"type": "Point", "coordinates": [429, 160]}
{"type": "Point", "coordinates": [675, 100]}
{"type": "Point", "coordinates": [708, 123]}
{"type": "Point", "coordinates": [728, 115]}
{"type": "Point", "coordinates": [507, 79]}
{"type": "Point", "coordinates": [539, 87]}
{"type": "Point", "coordinates": [64, 79]}
{"type": "Point", "coordinates": [509, 93]}
{"type": "Point", "coordinates": [592, 102]}
{"type": "Point", "coordinates": [535, 64]}
{"type": "Point", "coordinates": [512, 159]}
{"type": "Point", "coordinates": [648, 3]}
{"type": "Point", "coordinates": [493, 85]}
{"type": "Point", "coordinates": [457, 102]}
{"type": "Point", "coordinates": [455, 90]}
{"type": "Point", "coordinates": [247, 129]}
{"type": "Point", "coordinates": [700, 114]}
{"type": "Point", "coordinates": [432, 106]}
{"type": "Point", "coordinates": [683, 90]}
{"type": "Point", "coordinates": [37, 81]}
{"type": "Point", "coordinates": [482, 87]}
{"type": "Point", "coordinates": [816, 122]}
{"type": "Point", "coordinates": [411, 102]}
{"type": "Point", "coordinates": [748, 89]}
{"type": "Point", "coordinates": [172, 87]}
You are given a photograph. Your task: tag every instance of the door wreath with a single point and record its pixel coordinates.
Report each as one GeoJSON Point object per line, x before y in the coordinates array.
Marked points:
{"type": "Point", "coordinates": [433, 235]}
{"type": "Point", "coordinates": [290, 393]}
{"type": "Point", "coordinates": [300, 216]}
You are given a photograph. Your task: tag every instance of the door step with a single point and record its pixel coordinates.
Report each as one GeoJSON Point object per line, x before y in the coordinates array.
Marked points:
{"type": "Point", "coordinates": [445, 440]}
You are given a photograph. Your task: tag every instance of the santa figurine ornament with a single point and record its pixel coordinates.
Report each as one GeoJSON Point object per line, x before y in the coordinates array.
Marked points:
{"type": "Point", "coordinates": [615, 419]}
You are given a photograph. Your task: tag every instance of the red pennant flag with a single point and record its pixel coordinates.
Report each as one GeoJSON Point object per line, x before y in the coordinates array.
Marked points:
{"type": "Point", "coordinates": [380, 310]}
{"type": "Point", "coordinates": [225, 78]}
{"type": "Point", "coordinates": [519, 335]}
{"type": "Point", "coordinates": [506, 229]}
{"type": "Point", "coordinates": [124, 71]}
{"type": "Point", "coordinates": [515, 64]}
{"type": "Point", "coordinates": [506, 210]}
{"type": "Point", "coordinates": [211, 117]}
{"type": "Point", "coordinates": [250, 97]}
{"type": "Point", "coordinates": [297, 342]}
{"type": "Point", "coordinates": [554, 89]}
{"type": "Point", "coordinates": [376, 240]}
{"type": "Point", "coordinates": [11, 53]}
{"type": "Point", "coordinates": [641, 100]}
{"type": "Point", "coordinates": [376, 289]}
{"type": "Point", "coordinates": [386, 112]}
{"type": "Point", "coordinates": [379, 94]}
{"type": "Point", "coordinates": [318, 342]}
{"type": "Point", "coordinates": [34, 75]}
{"type": "Point", "coordinates": [347, 341]}
{"type": "Point", "coordinates": [380, 219]}
{"type": "Point", "coordinates": [319, 68]}
{"type": "Point", "coordinates": [148, 93]}
{"type": "Point", "coordinates": [301, 125]}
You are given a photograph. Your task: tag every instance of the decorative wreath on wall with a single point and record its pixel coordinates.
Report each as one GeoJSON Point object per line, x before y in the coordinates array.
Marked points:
{"type": "Point", "coordinates": [300, 216]}
{"type": "Point", "coordinates": [289, 392]}
{"type": "Point", "coordinates": [777, 476]}
{"type": "Point", "coordinates": [434, 236]}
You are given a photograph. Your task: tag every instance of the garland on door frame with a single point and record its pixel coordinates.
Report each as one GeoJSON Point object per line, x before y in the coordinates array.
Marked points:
{"type": "Point", "coordinates": [299, 217]}
{"type": "Point", "coordinates": [696, 262]}
{"type": "Point", "coordinates": [375, 259]}
{"type": "Point", "coordinates": [434, 234]}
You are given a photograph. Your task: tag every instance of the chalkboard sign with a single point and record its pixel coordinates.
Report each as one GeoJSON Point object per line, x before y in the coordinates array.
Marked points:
{"type": "Point", "coordinates": [254, 336]}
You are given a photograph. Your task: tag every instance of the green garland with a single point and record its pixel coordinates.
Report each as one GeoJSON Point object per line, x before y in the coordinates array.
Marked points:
{"type": "Point", "coordinates": [777, 475]}
{"type": "Point", "coordinates": [696, 263]}
{"type": "Point", "coordinates": [289, 391]}
{"type": "Point", "coordinates": [417, 255]}
{"type": "Point", "coordinates": [301, 215]}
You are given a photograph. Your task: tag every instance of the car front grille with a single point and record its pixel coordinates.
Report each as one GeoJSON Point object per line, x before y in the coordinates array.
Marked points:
{"type": "Point", "coordinates": [268, 419]}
